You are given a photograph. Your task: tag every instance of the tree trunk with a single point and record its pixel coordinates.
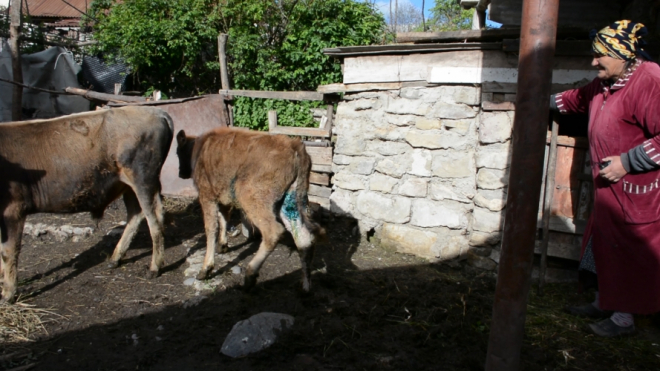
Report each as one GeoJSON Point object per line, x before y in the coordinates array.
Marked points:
{"type": "Point", "coordinates": [14, 34]}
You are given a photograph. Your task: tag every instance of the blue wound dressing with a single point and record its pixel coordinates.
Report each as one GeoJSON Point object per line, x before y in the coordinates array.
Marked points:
{"type": "Point", "coordinates": [293, 221]}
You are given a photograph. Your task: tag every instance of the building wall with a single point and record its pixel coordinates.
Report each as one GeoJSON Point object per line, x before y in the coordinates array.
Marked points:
{"type": "Point", "coordinates": [424, 169]}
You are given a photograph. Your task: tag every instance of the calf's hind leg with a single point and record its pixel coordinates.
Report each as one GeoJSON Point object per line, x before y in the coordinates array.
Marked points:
{"type": "Point", "coordinates": [271, 230]}
{"type": "Point", "coordinates": [11, 231]}
{"type": "Point", "coordinates": [214, 226]}
{"type": "Point", "coordinates": [301, 235]}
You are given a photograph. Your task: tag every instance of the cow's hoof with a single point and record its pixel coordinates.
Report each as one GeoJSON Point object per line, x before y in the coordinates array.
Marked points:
{"type": "Point", "coordinates": [203, 274]}
{"type": "Point", "coordinates": [223, 249]}
{"type": "Point", "coordinates": [113, 264]}
{"type": "Point", "coordinates": [7, 299]}
{"type": "Point", "coordinates": [249, 282]}
{"type": "Point", "coordinates": [151, 274]}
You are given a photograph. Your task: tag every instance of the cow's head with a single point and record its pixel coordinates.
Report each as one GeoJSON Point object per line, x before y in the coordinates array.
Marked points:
{"type": "Point", "coordinates": [184, 152]}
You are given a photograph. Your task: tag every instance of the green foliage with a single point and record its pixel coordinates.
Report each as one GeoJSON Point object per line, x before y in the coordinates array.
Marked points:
{"type": "Point", "coordinates": [278, 46]}
{"type": "Point", "coordinates": [171, 45]}
{"type": "Point", "coordinates": [447, 15]}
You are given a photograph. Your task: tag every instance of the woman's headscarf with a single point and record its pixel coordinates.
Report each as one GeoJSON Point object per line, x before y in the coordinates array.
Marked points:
{"type": "Point", "coordinates": [620, 40]}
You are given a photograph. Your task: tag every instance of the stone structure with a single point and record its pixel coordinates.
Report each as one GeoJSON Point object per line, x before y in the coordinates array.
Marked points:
{"type": "Point", "coordinates": [424, 167]}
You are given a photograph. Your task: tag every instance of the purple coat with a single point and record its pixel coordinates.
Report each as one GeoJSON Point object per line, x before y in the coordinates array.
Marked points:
{"type": "Point", "coordinates": [625, 220]}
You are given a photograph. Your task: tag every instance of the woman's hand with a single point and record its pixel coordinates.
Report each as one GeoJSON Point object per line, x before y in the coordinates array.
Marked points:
{"type": "Point", "coordinates": [614, 171]}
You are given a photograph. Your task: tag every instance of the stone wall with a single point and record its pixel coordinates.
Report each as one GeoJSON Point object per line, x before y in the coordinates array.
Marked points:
{"type": "Point", "coordinates": [424, 170]}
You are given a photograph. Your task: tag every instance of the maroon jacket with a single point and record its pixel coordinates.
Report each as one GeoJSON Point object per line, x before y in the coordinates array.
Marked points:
{"type": "Point", "coordinates": [625, 221]}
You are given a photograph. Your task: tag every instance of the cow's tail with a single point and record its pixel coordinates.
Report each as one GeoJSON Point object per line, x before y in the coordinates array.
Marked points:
{"type": "Point", "coordinates": [304, 166]}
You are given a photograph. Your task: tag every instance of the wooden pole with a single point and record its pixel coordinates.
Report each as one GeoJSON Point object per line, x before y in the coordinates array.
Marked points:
{"type": "Point", "coordinates": [17, 71]}
{"type": "Point", "coordinates": [530, 126]}
{"type": "Point", "coordinates": [272, 120]}
{"type": "Point", "coordinates": [224, 74]}
{"type": "Point", "coordinates": [547, 206]}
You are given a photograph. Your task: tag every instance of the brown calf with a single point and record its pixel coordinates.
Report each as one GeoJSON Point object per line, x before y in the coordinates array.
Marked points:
{"type": "Point", "coordinates": [78, 163]}
{"type": "Point", "coordinates": [264, 175]}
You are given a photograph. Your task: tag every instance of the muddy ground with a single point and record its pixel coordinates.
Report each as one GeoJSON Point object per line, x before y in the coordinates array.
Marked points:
{"type": "Point", "coordinates": [370, 309]}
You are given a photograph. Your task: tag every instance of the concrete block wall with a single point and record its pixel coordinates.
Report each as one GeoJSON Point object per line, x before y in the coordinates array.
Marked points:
{"type": "Point", "coordinates": [424, 170]}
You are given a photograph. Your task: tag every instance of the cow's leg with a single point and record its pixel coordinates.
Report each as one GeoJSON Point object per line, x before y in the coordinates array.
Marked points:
{"type": "Point", "coordinates": [223, 217]}
{"type": "Point", "coordinates": [11, 233]}
{"type": "Point", "coordinates": [263, 218]}
{"type": "Point", "coordinates": [301, 235]}
{"type": "Point", "coordinates": [211, 214]}
{"type": "Point", "coordinates": [134, 217]}
{"type": "Point", "coordinates": [147, 191]}
{"type": "Point", "coordinates": [152, 207]}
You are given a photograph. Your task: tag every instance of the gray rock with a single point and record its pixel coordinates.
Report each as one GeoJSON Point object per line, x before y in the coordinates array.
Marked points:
{"type": "Point", "coordinates": [255, 333]}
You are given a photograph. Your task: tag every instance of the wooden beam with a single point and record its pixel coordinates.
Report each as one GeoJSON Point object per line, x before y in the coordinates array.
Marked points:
{"type": "Point", "coordinates": [93, 95]}
{"type": "Point", "coordinates": [323, 202]}
{"type": "Point", "coordinates": [272, 120]}
{"type": "Point", "coordinates": [319, 191]}
{"type": "Point", "coordinates": [448, 36]}
{"type": "Point", "coordinates": [322, 168]}
{"type": "Point", "coordinates": [306, 132]}
{"type": "Point", "coordinates": [498, 106]}
{"type": "Point", "coordinates": [318, 178]}
{"type": "Point", "coordinates": [564, 47]}
{"type": "Point", "coordinates": [320, 155]}
{"type": "Point", "coordinates": [288, 95]}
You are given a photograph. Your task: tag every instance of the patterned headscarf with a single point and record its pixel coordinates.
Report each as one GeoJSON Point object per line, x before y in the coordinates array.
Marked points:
{"type": "Point", "coordinates": [620, 40]}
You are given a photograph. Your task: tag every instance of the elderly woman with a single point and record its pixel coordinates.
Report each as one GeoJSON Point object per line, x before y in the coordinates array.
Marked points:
{"type": "Point", "coordinates": [621, 244]}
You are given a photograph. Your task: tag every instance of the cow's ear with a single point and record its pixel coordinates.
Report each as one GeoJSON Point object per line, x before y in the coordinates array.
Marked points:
{"type": "Point", "coordinates": [181, 137]}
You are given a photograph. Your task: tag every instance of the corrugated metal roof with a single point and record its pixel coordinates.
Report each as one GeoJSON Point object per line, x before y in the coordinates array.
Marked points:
{"type": "Point", "coordinates": [56, 8]}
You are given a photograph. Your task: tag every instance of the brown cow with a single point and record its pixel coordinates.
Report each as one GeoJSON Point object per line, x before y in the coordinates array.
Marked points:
{"type": "Point", "coordinates": [83, 162]}
{"type": "Point", "coordinates": [262, 174]}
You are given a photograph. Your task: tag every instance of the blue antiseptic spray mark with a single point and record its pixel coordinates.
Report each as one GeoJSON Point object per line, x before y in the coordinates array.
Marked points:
{"type": "Point", "coordinates": [289, 207]}
{"type": "Point", "coordinates": [232, 189]}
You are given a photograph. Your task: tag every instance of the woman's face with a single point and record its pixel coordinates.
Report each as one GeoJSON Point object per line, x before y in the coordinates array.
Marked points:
{"type": "Point", "coordinates": [608, 67]}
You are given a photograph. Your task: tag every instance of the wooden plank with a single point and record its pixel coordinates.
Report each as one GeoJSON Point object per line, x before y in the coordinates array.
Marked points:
{"type": "Point", "coordinates": [353, 51]}
{"type": "Point", "coordinates": [322, 168]}
{"type": "Point", "coordinates": [511, 88]}
{"type": "Point", "coordinates": [306, 132]}
{"type": "Point", "coordinates": [465, 35]}
{"type": "Point", "coordinates": [320, 155]}
{"type": "Point", "coordinates": [563, 224]}
{"type": "Point", "coordinates": [289, 95]}
{"type": "Point", "coordinates": [562, 245]}
{"type": "Point", "coordinates": [578, 142]}
{"type": "Point", "coordinates": [272, 120]}
{"type": "Point", "coordinates": [563, 47]}
{"type": "Point", "coordinates": [481, 74]}
{"type": "Point", "coordinates": [318, 178]}
{"type": "Point", "coordinates": [321, 201]}
{"type": "Point", "coordinates": [501, 106]}
{"type": "Point", "coordinates": [319, 191]}
{"type": "Point", "coordinates": [355, 88]}
{"type": "Point", "coordinates": [92, 95]}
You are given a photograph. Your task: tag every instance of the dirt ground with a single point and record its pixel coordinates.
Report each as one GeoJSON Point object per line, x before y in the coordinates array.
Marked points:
{"type": "Point", "coordinates": [370, 309]}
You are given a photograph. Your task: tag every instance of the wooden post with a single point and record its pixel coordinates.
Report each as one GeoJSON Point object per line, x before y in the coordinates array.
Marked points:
{"type": "Point", "coordinates": [17, 71]}
{"type": "Point", "coordinates": [538, 33]}
{"type": "Point", "coordinates": [272, 120]}
{"type": "Point", "coordinates": [224, 75]}
{"type": "Point", "coordinates": [547, 205]}
{"type": "Point", "coordinates": [329, 113]}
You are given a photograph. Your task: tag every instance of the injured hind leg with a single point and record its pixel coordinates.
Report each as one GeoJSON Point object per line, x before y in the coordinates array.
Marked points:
{"type": "Point", "coordinates": [302, 236]}
{"type": "Point", "coordinates": [271, 231]}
